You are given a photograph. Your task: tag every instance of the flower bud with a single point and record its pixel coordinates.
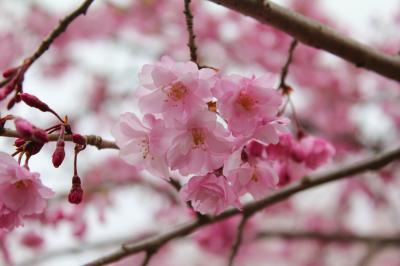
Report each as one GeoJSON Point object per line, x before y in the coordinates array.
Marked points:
{"type": "Point", "coordinates": [10, 72]}
{"type": "Point", "coordinates": [255, 148]}
{"type": "Point", "coordinates": [78, 139]}
{"type": "Point", "coordinates": [59, 154]}
{"type": "Point", "coordinates": [33, 101]}
{"type": "Point", "coordinates": [19, 142]}
{"type": "Point", "coordinates": [76, 194]}
{"type": "Point", "coordinates": [39, 135]}
{"type": "Point", "coordinates": [4, 92]}
{"type": "Point", "coordinates": [24, 128]}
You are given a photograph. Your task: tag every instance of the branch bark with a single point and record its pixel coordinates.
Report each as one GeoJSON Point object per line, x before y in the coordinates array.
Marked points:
{"type": "Point", "coordinates": [315, 34]}
{"type": "Point", "coordinates": [92, 140]}
{"type": "Point", "coordinates": [306, 183]}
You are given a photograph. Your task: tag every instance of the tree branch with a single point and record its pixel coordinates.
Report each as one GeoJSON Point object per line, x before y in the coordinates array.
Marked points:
{"type": "Point", "coordinates": [58, 30]}
{"type": "Point", "coordinates": [285, 68]}
{"type": "Point", "coordinates": [157, 241]}
{"type": "Point", "coordinates": [315, 34]}
{"type": "Point", "coordinates": [92, 140]}
{"type": "Point", "coordinates": [191, 38]}
{"type": "Point", "coordinates": [238, 240]}
{"type": "Point", "coordinates": [330, 237]}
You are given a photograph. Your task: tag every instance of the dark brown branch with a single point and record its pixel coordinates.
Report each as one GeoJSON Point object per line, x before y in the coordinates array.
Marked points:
{"type": "Point", "coordinates": [92, 140]}
{"type": "Point", "coordinates": [285, 69]}
{"type": "Point", "coordinates": [238, 240]}
{"type": "Point", "coordinates": [191, 38]}
{"type": "Point", "coordinates": [330, 237]}
{"type": "Point", "coordinates": [58, 30]}
{"type": "Point", "coordinates": [315, 34]}
{"type": "Point", "coordinates": [157, 241]}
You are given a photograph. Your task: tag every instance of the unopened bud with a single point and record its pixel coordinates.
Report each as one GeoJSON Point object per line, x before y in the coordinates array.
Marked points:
{"type": "Point", "coordinates": [78, 139]}
{"type": "Point", "coordinates": [10, 72]}
{"type": "Point", "coordinates": [59, 154]}
{"type": "Point", "coordinates": [4, 92]}
{"type": "Point", "coordinates": [19, 142]}
{"type": "Point", "coordinates": [255, 148]}
{"type": "Point", "coordinates": [76, 194]}
{"type": "Point", "coordinates": [24, 128]}
{"type": "Point", "coordinates": [33, 101]}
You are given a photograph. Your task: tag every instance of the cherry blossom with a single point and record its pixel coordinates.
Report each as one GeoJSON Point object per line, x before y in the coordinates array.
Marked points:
{"type": "Point", "coordinates": [177, 90]}
{"type": "Point", "coordinates": [209, 194]}
{"type": "Point", "coordinates": [21, 192]}
{"type": "Point", "coordinates": [142, 144]}
{"type": "Point", "coordinates": [244, 102]}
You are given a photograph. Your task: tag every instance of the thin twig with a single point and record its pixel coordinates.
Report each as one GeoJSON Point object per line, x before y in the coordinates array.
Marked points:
{"type": "Point", "coordinates": [330, 237]}
{"type": "Point", "coordinates": [238, 240]}
{"type": "Point", "coordinates": [58, 30]}
{"type": "Point", "coordinates": [372, 251]}
{"type": "Point", "coordinates": [285, 68]}
{"type": "Point", "coordinates": [92, 140]}
{"type": "Point", "coordinates": [373, 163]}
{"type": "Point", "coordinates": [148, 256]}
{"type": "Point", "coordinates": [191, 38]}
{"type": "Point", "coordinates": [315, 34]}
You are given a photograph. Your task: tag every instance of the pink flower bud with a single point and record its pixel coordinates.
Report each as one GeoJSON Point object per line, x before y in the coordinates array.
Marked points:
{"type": "Point", "coordinates": [5, 92]}
{"type": "Point", "coordinates": [255, 148]}
{"type": "Point", "coordinates": [39, 135]}
{"type": "Point", "coordinates": [59, 154]}
{"type": "Point", "coordinates": [76, 194]}
{"type": "Point", "coordinates": [78, 139]}
{"type": "Point", "coordinates": [33, 101]}
{"type": "Point", "coordinates": [19, 142]}
{"type": "Point", "coordinates": [10, 72]}
{"type": "Point", "coordinates": [24, 128]}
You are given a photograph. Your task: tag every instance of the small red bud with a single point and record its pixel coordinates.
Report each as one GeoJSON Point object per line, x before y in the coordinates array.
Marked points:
{"type": "Point", "coordinates": [255, 148]}
{"type": "Point", "coordinates": [4, 92]}
{"type": "Point", "coordinates": [10, 72]}
{"type": "Point", "coordinates": [59, 154]}
{"type": "Point", "coordinates": [19, 142]}
{"type": "Point", "coordinates": [78, 139]}
{"type": "Point", "coordinates": [33, 101]}
{"type": "Point", "coordinates": [76, 194]}
{"type": "Point", "coordinates": [24, 128]}
{"type": "Point", "coordinates": [39, 135]}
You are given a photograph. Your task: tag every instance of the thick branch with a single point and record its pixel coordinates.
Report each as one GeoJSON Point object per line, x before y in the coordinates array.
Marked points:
{"type": "Point", "coordinates": [315, 34]}
{"type": "Point", "coordinates": [374, 163]}
{"type": "Point", "coordinates": [92, 140]}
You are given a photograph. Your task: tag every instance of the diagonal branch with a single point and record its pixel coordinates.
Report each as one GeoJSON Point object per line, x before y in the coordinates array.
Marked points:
{"type": "Point", "coordinates": [58, 30]}
{"type": "Point", "coordinates": [157, 241]}
{"type": "Point", "coordinates": [315, 34]}
{"type": "Point", "coordinates": [92, 140]}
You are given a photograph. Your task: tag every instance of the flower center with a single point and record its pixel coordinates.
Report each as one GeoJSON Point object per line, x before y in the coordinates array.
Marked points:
{"type": "Point", "coordinates": [254, 177]}
{"type": "Point", "coordinates": [177, 91]}
{"type": "Point", "coordinates": [198, 136]}
{"type": "Point", "coordinates": [246, 101]}
{"type": "Point", "coordinates": [22, 184]}
{"type": "Point", "coordinates": [144, 147]}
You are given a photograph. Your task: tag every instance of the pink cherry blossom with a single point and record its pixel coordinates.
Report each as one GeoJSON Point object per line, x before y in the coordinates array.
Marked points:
{"type": "Point", "coordinates": [200, 146]}
{"type": "Point", "coordinates": [250, 174]}
{"type": "Point", "coordinates": [244, 102]}
{"type": "Point", "coordinates": [294, 158]}
{"type": "Point", "coordinates": [175, 89]}
{"type": "Point", "coordinates": [209, 194]}
{"type": "Point", "coordinates": [21, 192]}
{"type": "Point", "coordinates": [142, 144]}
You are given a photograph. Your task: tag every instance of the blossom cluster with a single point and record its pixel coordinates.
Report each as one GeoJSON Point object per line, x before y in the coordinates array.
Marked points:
{"type": "Point", "coordinates": [22, 193]}
{"type": "Point", "coordinates": [202, 124]}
